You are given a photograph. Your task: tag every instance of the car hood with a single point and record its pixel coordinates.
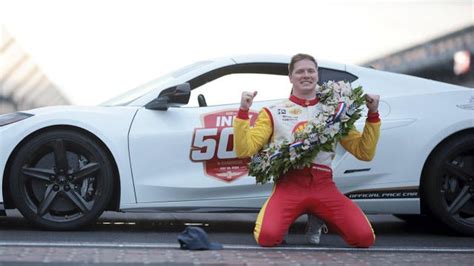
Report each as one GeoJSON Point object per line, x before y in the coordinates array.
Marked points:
{"type": "Point", "coordinates": [68, 109]}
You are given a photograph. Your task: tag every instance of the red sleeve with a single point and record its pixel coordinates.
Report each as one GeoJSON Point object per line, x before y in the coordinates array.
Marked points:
{"type": "Point", "coordinates": [373, 117]}
{"type": "Point", "coordinates": [243, 114]}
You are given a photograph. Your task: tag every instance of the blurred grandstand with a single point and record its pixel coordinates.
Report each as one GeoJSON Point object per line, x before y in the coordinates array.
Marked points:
{"type": "Point", "coordinates": [22, 83]}
{"type": "Point", "coordinates": [448, 58]}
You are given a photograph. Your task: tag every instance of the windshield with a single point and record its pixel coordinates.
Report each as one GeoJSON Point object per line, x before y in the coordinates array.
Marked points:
{"type": "Point", "coordinates": [131, 95]}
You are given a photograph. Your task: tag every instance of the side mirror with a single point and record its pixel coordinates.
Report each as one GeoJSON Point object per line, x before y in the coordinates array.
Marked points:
{"type": "Point", "coordinates": [174, 96]}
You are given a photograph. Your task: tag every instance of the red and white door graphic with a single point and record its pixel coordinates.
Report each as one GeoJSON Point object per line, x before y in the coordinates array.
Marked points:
{"type": "Point", "coordinates": [213, 145]}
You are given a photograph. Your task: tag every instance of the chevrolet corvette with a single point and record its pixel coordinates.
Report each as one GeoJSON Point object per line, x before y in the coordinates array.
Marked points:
{"type": "Point", "coordinates": [167, 146]}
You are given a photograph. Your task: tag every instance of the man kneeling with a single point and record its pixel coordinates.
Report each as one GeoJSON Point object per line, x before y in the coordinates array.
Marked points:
{"type": "Point", "coordinates": [310, 190]}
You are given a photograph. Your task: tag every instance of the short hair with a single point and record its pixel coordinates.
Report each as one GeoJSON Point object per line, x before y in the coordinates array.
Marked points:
{"type": "Point", "coordinates": [299, 57]}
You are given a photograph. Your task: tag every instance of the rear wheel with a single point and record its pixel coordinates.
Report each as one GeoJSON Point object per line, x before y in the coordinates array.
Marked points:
{"type": "Point", "coordinates": [448, 183]}
{"type": "Point", "coordinates": [61, 180]}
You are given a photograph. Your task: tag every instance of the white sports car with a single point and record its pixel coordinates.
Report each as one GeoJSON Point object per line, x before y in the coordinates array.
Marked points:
{"type": "Point", "coordinates": [168, 146]}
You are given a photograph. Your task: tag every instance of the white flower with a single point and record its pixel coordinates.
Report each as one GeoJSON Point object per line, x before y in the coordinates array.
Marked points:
{"type": "Point", "coordinates": [332, 130]}
{"type": "Point", "coordinates": [351, 110]}
{"type": "Point", "coordinates": [306, 144]}
{"type": "Point", "coordinates": [293, 154]}
{"type": "Point", "coordinates": [323, 139]}
{"type": "Point", "coordinates": [328, 109]}
{"type": "Point", "coordinates": [265, 165]}
{"type": "Point", "coordinates": [344, 118]}
{"type": "Point", "coordinates": [319, 119]}
{"type": "Point", "coordinates": [336, 88]}
{"type": "Point", "coordinates": [313, 138]}
{"type": "Point", "coordinates": [308, 128]}
{"type": "Point", "coordinates": [349, 102]}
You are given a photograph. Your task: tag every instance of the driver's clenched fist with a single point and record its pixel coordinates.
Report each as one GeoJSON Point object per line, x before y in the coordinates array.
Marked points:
{"type": "Point", "coordinates": [247, 99]}
{"type": "Point", "coordinates": [372, 102]}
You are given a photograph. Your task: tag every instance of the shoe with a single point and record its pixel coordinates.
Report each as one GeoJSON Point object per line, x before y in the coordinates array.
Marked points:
{"type": "Point", "coordinates": [314, 227]}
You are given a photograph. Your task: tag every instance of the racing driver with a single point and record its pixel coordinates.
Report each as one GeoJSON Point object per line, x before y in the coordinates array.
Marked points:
{"type": "Point", "coordinates": [309, 190]}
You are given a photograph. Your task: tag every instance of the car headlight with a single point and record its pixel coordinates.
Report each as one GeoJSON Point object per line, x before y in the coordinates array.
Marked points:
{"type": "Point", "coordinates": [13, 118]}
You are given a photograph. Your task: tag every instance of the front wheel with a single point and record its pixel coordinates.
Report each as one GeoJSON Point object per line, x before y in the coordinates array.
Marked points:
{"type": "Point", "coordinates": [448, 182]}
{"type": "Point", "coordinates": [61, 180]}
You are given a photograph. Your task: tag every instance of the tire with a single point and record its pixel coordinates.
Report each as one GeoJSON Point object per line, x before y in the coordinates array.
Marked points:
{"type": "Point", "coordinates": [61, 180]}
{"type": "Point", "coordinates": [448, 183]}
{"type": "Point", "coordinates": [413, 218]}
{"type": "Point", "coordinates": [424, 222]}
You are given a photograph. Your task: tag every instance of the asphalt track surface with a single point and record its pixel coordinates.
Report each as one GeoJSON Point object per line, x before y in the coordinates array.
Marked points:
{"type": "Point", "coordinates": [135, 239]}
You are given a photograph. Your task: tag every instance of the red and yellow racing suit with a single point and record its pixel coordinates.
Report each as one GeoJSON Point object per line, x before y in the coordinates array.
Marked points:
{"type": "Point", "coordinates": [310, 190]}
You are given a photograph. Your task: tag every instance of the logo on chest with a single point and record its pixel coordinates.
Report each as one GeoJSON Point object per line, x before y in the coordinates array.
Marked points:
{"type": "Point", "coordinates": [299, 126]}
{"type": "Point", "coordinates": [289, 114]}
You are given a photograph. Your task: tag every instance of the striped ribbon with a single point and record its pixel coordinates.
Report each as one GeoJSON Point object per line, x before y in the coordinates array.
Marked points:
{"type": "Point", "coordinates": [296, 144]}
{"type": "Point", "coordinates": [339, 111]}
{"type": "Point", "coordinates": [273, 156]}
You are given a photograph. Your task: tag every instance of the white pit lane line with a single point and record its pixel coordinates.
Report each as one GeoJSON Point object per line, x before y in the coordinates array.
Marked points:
{"type": "Point", "coordinates": [232, 247]}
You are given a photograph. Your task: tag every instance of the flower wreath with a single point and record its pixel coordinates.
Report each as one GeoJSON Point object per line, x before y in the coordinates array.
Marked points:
{"type": "Point", "coordinates": [341, 107]}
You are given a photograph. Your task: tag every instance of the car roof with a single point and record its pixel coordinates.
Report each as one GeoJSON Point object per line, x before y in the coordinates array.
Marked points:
{"type": "Point", "coordinates": [284, 59]}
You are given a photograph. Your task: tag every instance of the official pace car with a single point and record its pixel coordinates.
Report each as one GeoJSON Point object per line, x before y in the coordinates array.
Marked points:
{"type": "Point", "coordinates": [168, 146]}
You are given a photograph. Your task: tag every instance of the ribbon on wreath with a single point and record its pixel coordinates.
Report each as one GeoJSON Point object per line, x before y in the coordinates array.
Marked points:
{"type": "Point", "coordinates": [292, 149]}
{"type": "Point", "coordinates": [274, 155]}
{"type": "Point", "coordinates": [341, 107]}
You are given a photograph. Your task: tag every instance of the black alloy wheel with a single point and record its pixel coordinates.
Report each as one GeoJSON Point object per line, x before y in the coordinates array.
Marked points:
{"type": "Point", "coordinates": [61, 180]}
{"type": "Point", "coordinates": [448, 184]}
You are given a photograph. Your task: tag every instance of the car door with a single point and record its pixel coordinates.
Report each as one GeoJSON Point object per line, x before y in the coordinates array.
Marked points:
{"type": "Point", "coordinates": [185, 154]}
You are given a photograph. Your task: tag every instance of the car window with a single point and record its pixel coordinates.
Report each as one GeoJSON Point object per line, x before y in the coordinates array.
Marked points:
{"type": "Point", "coordinates": [225, 85]}
{"type": "Point", "coordinates": [326, 74]}
{"type": "Point", "coordinates": [131, 95]}
{"type": "Point", "coordinates": [228, 89]}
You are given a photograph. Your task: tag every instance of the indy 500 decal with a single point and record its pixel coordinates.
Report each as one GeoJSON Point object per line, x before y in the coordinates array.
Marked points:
{"type": "Point", "coordinates": [213, 145]}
